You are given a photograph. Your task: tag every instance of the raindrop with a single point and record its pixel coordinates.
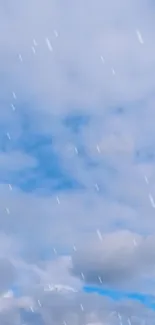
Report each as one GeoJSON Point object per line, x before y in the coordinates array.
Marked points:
{"type": "Point", "coordinates": [99, 235]}
{"type": "Point", "coordinates": [49, 45]}
{"type": "Point", "coordinates": [139, 36]}
{"type": "Point", "coordinates": [20, 57]}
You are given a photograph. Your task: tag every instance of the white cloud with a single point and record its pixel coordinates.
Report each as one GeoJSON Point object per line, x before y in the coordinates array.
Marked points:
{"type": "Point", "coordinates": [122, 259]}
{"type": "Point", "coordinates": [73, 73]}
{"type": "Point", "coordinates": [99, 60]}
{"type": "Point", "coordinates": [16, 161]}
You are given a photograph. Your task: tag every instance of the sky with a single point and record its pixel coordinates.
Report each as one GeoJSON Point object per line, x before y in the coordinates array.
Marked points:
{"type": "Point", "coordinates": [77, 162]}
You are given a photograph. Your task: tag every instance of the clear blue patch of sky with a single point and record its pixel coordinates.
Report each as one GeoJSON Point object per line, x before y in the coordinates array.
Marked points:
{"type": "Point", "coordinates": [147, 300]}
{"type": "Point", "coordinates": [49, 172]}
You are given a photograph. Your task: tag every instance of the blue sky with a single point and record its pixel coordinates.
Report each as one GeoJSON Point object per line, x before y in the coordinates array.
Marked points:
{"type": "Point", "coordinates": [77, 154]}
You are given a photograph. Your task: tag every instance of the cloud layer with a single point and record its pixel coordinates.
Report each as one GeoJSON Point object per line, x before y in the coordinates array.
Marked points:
{"type": "Point", "coordinates": [77, 145]}
{"type": "Point", "coordinates": [117, 259]}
